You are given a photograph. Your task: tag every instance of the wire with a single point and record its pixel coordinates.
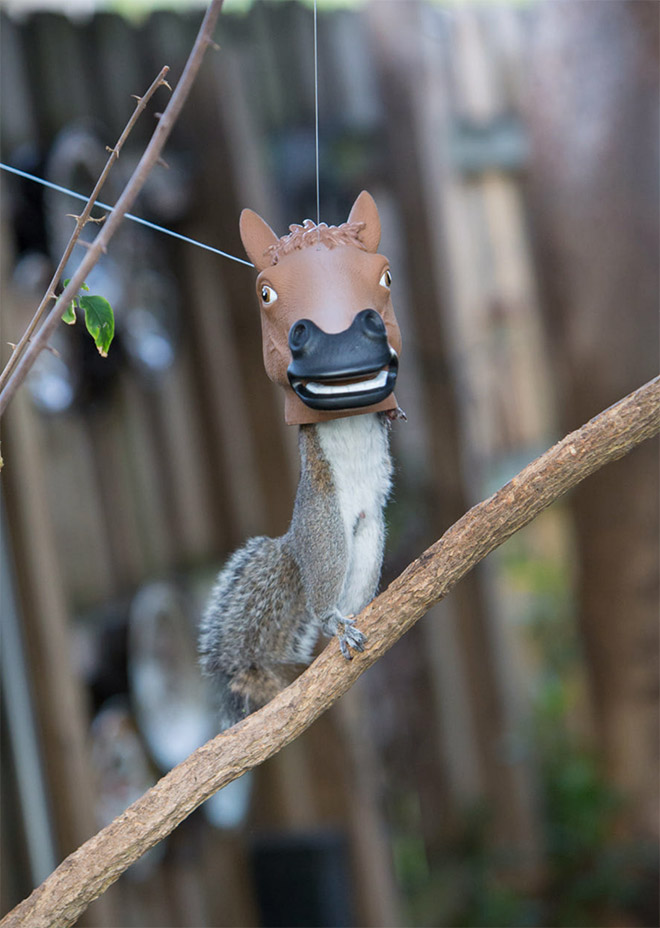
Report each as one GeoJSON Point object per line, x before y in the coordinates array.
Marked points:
{"type": "Point", "coordinates": [138, 219]}
{"type": "Point", "coordinates": [316, 115]}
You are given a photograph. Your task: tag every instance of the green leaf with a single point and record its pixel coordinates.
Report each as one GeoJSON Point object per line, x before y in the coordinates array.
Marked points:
{"type": "Point", "coordinates": [69, 315]}
{"type": "Point", "coordinates": [68, 281]}
{"type": "Point", "coordinates": [100, 321]}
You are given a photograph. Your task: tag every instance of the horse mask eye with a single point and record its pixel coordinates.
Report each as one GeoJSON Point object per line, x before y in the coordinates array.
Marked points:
{"type": "Point", "coordinates": [268, 295]}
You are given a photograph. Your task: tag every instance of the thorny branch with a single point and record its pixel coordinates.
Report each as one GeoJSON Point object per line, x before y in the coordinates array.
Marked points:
{"type": "Point", "coordinates": [151, 155]}
{"type": "Point", "coordinates": [81, 222]}
{"type": "Point", "coordinates": [88, 872]}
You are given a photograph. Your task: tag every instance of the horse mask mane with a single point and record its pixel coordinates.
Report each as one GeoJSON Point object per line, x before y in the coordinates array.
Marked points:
{"type": "Point", "coordinates": [330, 336]}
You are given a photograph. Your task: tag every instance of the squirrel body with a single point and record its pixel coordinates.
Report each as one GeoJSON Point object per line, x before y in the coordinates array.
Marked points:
{"type": "Point", "coordinates": [275, 596]}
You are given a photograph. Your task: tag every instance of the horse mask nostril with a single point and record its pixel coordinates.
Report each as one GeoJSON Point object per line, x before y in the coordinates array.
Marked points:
{"type": "Point", "coordinates": [299, 335]}
{"type": "Point", "coordinates": [371, 323]}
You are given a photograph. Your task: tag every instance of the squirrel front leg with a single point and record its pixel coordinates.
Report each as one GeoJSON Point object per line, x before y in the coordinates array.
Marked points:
{"type": "Point", "coordinates": [319, 545]}
{"type": "Point", "coordinates": [323, 573]}
{"type": "Point", "coordinates": [343, 626]}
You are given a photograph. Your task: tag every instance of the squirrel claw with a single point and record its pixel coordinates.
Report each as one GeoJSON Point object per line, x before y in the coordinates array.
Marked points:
{"type": "Point", "coordinates": [344, 648]}
{"type": "Point", "coordinates": [351, 637]}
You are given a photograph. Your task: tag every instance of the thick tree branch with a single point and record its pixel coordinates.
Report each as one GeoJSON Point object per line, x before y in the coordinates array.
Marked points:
{"type": "Point", "coordinates": [100, 244]}
{"type": "Point", "coordinates": [87, 872]}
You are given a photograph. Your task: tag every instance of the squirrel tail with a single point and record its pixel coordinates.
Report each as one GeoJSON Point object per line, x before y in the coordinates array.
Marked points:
{"type": "Point", "coordinates": [243, 692]}
{"type": "Point", "coordinates": [229, 705]}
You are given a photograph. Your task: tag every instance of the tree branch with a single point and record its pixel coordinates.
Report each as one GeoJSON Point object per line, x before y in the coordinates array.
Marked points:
{"type": "Point", "coordinates": [100, 244]}
{"type": "Point", "coordinates": [87, 872]}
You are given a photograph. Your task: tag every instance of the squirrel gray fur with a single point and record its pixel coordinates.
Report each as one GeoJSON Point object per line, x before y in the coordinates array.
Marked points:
{"type": "Point", "coordinates": [275, 596]}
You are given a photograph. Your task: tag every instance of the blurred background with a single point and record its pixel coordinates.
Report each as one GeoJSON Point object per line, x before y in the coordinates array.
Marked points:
{"type": "Point", "coordinates": [499, 767]}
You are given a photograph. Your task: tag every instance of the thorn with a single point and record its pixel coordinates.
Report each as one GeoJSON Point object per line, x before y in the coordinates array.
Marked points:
{"type": "Point", "coordinates": [137, 97]}
{"type": "Point", "coordinates": [163, 163]}
{"type": "Point", "coordinates": [84, 244]}
{"type": "Point", "coordinates": [214, 45]}
{"type": "Point", "coordinates": [113, 151]}
{"type": "Point", "coordinates": [74, 216]}
{"type": "Point", "coordinates": [98, 219]}
{"type": "Point", "coordinates": [157, 115]}
{"type": "Point", "coordinates": [164, 83]}
{"type": "Point", "coordinates": [12, 345]}
{"type": "Point", "coordinates": [53, 351]}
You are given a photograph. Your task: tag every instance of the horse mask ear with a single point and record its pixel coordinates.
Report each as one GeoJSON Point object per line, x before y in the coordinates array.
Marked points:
{"type": "Point", "coordinates": [365, 210]}
{"type": "Point", "coordinates": [256, 236]}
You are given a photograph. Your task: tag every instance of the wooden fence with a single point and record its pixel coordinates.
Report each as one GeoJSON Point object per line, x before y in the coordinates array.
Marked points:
{"type": "Point", "coordinates": [156, 470]}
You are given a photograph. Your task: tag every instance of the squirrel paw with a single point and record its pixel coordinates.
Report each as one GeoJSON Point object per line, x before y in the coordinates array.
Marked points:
{"type": "Point", "coordinates": [349, 636]}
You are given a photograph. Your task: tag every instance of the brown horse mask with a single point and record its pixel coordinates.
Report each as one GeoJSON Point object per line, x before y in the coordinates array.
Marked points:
{"type": "Point", "coordinates": [330, 337]}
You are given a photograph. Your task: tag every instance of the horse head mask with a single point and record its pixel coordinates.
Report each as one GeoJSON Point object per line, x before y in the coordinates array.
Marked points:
{"type": "Point", "coordinates": [330, 337]}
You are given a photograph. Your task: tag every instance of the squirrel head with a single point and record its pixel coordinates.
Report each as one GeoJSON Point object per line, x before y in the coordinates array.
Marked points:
{"type": "Point", "coordinates": [330, 336]}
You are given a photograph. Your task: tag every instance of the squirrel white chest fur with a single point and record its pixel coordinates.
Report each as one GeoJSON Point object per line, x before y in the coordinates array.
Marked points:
{"type": "Point", "coordinates": [357, 451]}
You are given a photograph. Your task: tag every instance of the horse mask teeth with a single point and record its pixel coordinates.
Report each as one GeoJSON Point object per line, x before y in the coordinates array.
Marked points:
{"type": "Point", "coordinates": [330, 336]}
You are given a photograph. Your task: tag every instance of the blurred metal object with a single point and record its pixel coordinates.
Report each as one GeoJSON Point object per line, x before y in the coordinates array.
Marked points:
{"type": "Point", "coordinates": [171, 702]}
{"type": "Point", "coordinates": [134, 279]}
{"type": "Point", "coordinates": [171, 699]}
{"type": "Point", "coordinates": [52, 380]}
{"type": "Point", "coordinates": [122, 769]}
{"type": "Point", "coordinates": [229, 806]}
{"type": "Point", "coordinates": [52, 383]}
{"type": "Point", "coordinates": [149, 326]}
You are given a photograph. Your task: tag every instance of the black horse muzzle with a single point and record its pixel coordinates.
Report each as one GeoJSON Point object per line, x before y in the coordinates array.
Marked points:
{"type": "Point", "coordinates": [346, 370]}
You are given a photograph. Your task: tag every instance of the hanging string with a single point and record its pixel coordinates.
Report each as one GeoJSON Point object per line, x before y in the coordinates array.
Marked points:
{"type": "Point", "coordinates": [138, 219]}
{"type": "Point", "coordinates": [316, 115]}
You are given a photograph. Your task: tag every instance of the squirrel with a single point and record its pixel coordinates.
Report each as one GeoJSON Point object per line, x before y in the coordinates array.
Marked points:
{"type": "Point", "coordinates": [275, 596]}
{"type": "Point", "coordinates": [337, 362]}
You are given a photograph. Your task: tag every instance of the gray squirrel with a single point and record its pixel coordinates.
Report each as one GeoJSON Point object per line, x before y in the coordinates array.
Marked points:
{"type": "Point", "coordinates": [276, 596]}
